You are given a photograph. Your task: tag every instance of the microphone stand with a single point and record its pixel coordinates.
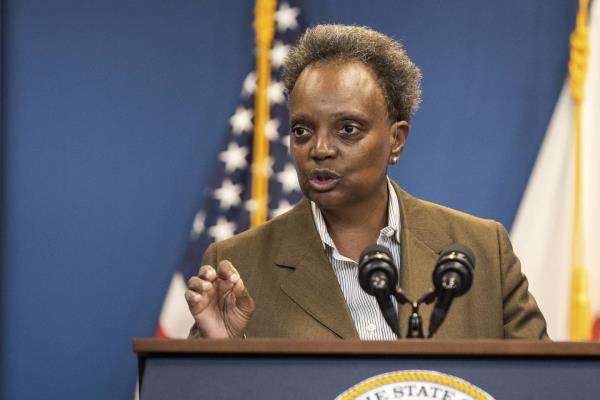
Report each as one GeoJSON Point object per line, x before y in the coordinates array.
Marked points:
{"type": "Point", "coordinates": [415, 321]}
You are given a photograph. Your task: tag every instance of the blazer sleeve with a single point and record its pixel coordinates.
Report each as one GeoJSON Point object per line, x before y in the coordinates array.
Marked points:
{"type": "Point", "coordinates": [522, 316]}
{"type": "Point", "coordinates": [209, 258]}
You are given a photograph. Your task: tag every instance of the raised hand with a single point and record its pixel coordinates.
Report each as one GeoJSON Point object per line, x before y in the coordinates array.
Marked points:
{"type": "Point", "coordinates": [219, 302]}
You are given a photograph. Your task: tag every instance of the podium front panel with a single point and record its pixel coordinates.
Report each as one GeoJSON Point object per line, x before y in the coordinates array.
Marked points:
{"type": "Point", "coordinates": [272, 375]}
{"type": "Point", "coordinates": [309, 378]}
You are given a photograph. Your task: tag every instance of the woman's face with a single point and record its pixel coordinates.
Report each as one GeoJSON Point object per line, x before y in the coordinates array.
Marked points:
{"type": "Point", "coordinates": [341, 138]}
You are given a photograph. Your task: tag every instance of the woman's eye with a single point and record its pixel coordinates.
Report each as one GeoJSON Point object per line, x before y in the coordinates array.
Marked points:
{"type": "Point", "coordinates": [299, 131]}
{"type": "Point", "coordinates": [349, 130]}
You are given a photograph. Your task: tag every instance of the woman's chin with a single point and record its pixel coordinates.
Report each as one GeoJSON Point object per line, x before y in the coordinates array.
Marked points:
{"type": "Point", "coordinates": [326, 200]}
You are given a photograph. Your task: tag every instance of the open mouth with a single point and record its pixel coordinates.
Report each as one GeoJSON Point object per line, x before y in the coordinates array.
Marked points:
{"type": "Point", "coordinates": [323, 180]}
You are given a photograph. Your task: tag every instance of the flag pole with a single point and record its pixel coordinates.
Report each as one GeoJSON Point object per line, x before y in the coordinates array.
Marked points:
{"type": "Point", "coordinates": [580, 316]}
{"type": "Point", "coordinates": [264, 26]}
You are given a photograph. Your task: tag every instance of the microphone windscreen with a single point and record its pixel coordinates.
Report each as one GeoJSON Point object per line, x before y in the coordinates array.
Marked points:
{"type": "Point", "coordinates": [375, 248]}
{"type": "Point", "coordinates": [459, 249]}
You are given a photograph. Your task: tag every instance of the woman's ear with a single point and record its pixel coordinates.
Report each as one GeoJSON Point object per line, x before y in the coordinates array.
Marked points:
{"type": "Point", "coordinates": [399, 135]}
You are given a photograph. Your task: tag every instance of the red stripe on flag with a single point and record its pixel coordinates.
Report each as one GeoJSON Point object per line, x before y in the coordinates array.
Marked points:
{"type": "Point", "coordinates": [160, 333]}
{"type": "Point", "coordinates": [596, 329]}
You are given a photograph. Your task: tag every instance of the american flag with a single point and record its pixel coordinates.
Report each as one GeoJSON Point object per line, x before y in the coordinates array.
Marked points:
{"type": "Point", "coordinates": [227, 203]}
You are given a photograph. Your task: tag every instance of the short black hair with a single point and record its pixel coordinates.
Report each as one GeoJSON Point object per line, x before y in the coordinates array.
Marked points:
{"type": "Point", "coordinates": [398, 76]}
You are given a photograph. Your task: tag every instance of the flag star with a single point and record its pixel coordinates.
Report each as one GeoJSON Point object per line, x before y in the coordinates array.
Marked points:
{"type": "Point", "coordinates": [198, 225]}
{"type": "Point", "coordinates": [286, 17]}
{"type": "Point", "coordinates": [228, 194]}
{"type": "Point", "coordinates": [271, 129]}
{"type": "Point", "coordinates": [222, 230]}
{"type": "Point", "coordinates": [278, 54]}
{"type": "Point", "coordinates": [283, 206]}
{"type": "Point", "coordinates": [234, 157]}
{"type": "Point", "coordinates": [286, 141]}
{"type": "Point", "coordinates": [241, 121]}
{"type": "Point", "coordinates": [288, 179]}
{"type": "Point", "coordinates": [275, 92]}
{"type": "Point", "coordinates": [249, 86]}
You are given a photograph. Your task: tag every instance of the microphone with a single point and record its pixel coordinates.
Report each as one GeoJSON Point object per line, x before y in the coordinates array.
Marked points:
{"type": "Point", "coordinates": [452, 277]}
{"type": "Point", "coordinates": [378, 276]}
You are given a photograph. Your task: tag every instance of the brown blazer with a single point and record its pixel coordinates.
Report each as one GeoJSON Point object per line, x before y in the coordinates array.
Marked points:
{"type": "Point", "coordinates": [297, 294]}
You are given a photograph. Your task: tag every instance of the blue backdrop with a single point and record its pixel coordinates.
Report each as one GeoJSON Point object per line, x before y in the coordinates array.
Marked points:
{"type": "Point", "coordinates": [113, 114]}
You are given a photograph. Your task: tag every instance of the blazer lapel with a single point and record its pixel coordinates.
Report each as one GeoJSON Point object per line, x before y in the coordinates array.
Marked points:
{"type": "Point", "coordinates": [313, 285]}
{"type": "Point", "coordinates": [421, 243]}
{"type": "Point", "coordinates": [417, 264]}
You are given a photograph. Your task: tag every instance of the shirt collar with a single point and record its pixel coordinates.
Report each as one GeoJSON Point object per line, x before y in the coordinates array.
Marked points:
{"type": "Point", "coordinates": [392, 228]}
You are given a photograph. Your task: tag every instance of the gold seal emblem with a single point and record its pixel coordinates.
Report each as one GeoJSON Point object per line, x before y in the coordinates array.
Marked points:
{"type": "Point", "coordinates": [414, 384]}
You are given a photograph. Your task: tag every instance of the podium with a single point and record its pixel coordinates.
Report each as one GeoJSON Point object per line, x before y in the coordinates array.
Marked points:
{"type": "Point", "coordinates": [292, 369]}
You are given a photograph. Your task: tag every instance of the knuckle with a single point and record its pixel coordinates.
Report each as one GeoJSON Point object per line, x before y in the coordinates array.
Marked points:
{"type": "Point", "coordinates": [193, 282]}
{"type": "Point", "coordinates": [205, 270]}
{"type": "Point", "coordinates": [204, 285]}
{"type": "Point", "coordinates": [189, 296]}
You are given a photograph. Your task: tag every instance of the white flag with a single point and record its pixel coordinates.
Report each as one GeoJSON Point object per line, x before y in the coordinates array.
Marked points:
{"type": "Point", "coordinates": [541, 232]}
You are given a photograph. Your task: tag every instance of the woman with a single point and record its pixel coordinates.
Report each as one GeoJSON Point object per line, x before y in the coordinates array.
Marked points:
{"type": "Point", "coordinates": [352, 92]}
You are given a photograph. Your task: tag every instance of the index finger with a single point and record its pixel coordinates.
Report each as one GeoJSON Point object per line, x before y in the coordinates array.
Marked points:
{"type": "Point", "coordinates": [227, 271]}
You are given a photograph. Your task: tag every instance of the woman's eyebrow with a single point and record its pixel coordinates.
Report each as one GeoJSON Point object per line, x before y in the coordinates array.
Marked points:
{"type": "Point", "coordinates": [350, 114]}
{"type": "Point", "coordinates": [300, 118]}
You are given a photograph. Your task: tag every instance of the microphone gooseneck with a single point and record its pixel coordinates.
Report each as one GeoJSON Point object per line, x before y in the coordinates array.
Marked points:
{"type": "Point", "coordinates": [452, 277]}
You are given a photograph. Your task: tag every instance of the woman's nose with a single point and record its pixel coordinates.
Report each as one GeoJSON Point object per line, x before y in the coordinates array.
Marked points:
{"type": "Point", "coordinates": [323, 147]}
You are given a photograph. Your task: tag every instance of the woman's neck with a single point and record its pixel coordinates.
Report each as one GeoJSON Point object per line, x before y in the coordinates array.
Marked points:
{"type": "Point", "coordinates": [354, 228]}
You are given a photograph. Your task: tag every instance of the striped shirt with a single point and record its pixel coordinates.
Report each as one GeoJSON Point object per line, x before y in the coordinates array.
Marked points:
{"type": "Point", "coordinates": [365, 312]}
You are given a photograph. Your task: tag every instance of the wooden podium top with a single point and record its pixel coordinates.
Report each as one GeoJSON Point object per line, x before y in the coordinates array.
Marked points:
{"type": "Point", "coordinates": [475, 348]}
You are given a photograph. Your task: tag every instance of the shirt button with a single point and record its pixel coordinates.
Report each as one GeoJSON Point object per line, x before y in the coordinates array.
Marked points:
{"type": "Point", "coordinates": [371, 327]}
